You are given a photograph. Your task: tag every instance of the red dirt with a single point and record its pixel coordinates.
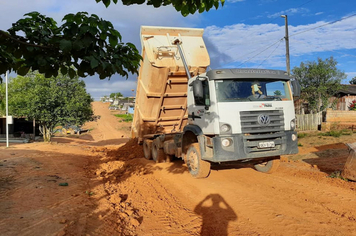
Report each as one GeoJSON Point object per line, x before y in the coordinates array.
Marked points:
{"type": "Point", "coordinates": [113, 190]}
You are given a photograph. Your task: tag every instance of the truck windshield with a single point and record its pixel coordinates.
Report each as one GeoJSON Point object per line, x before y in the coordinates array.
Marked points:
{"type": "Point", "coordinates": [238, 90]}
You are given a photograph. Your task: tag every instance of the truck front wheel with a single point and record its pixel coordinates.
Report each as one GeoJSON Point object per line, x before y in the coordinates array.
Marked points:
{"type": "Point", "coordinates": [268, 166]}
{"type": "Point", "coordinates": [197, 167]}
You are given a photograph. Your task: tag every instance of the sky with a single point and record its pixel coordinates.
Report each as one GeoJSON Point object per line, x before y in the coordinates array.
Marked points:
{"type": "Point", "coordinates": [241, 34]}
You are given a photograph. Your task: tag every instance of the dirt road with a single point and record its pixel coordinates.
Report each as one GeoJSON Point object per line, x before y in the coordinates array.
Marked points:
{"type": "Point", "coordinates": [113, 190]}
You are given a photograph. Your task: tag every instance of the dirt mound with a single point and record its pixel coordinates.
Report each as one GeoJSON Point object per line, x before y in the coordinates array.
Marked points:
{"type": "Point", "coordinates": [128, 151]}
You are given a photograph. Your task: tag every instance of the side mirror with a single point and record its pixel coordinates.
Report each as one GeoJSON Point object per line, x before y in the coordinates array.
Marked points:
{"type": "Point", "coordinates": [198, 91]}
{"type": "Point", "coordinates": [296, 89]}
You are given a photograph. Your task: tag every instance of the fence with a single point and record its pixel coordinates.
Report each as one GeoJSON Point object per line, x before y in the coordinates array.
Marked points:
{"type": "Point", "coordinates": [308, 121]}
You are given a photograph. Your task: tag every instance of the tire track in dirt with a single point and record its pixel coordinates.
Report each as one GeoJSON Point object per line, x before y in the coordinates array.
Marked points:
{"type": "Point", "coordinates": [271, 204]}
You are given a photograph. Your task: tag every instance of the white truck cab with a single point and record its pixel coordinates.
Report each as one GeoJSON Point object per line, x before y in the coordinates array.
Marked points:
{"type": "Point", "coordinates": [242, 114]}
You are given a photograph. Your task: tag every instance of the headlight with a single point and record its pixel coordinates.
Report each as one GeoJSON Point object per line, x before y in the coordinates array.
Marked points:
{"type": "Point", "coordinates": [226, 142]}
{"type": "Point", "coordinates": [294, 137]}
{"type": "Point", "coordinates": [292, 124]}
{"type": "Point", "coordinates": [225, 128]}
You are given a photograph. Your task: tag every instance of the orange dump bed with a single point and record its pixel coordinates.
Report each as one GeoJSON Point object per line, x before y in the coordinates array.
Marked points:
{"type": "Point", "coordinates": [161, 94]}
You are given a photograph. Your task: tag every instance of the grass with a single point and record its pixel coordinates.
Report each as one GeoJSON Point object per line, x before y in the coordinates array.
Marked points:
{"type": "Point", "coordinates": [336, 133]}
{"type": "Point", "coordinates": [331, 133]}
{"type": "Point", "coordinates": [125, 117]}
{"type": "Point", "coordinates": [302, 135]}
{"type": "Point", "coordinates": [337, 175]}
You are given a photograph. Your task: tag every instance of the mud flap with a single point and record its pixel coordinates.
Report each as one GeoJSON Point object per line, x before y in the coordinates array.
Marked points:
{"type": "Point", "coordinates": [349, 171]}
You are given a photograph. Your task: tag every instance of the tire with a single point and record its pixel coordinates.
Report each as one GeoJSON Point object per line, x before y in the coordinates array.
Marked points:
{"type": "Point", "coordinates": [147, 149]}
{"type": "Point", "coordinates": [196, 166]}
{"type": "Point", "coordinates": [169, 158]}
{"type": "Point", "coordinates": [157, 153]}
{"type": "Point", "coordinates": [268, 167]}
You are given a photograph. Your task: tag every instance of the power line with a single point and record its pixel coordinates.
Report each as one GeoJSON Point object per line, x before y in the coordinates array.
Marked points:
{"type": "Point", "coordinates": [270, 54]}
{"type": "Point", "coordinates": [260, 52]}
{"type": "Point", "coordinates": [264, 40]}
{"type": "Point", "coordinates": [329, 23]}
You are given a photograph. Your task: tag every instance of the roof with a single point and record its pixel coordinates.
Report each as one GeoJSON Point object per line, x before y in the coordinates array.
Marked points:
{"type": "Point", "coordinates": [349, 89]}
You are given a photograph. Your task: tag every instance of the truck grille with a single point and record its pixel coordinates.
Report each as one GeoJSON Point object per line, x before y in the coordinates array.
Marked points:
{"type": "Point", "coordinates": [261, 127]}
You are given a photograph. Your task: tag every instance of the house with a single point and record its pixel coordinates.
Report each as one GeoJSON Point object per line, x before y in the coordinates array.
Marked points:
{"type": "Point", "coordinates": [344, 97]}
{"type": "Point", "coordinates": [128, 107]}
{"type": "Point", "coordinates": [19, 126]}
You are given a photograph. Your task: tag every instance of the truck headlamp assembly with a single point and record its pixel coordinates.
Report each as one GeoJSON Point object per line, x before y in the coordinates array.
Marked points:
{"type": "Point", "coordinates": [292, 124]}
{"type": "Point", "coordinates": [226, 142]}
{"type": "Point", "coordinates": [225, 128]}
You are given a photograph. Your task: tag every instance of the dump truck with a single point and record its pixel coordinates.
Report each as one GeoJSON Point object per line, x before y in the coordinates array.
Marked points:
{"type": "Point", "coordinates": [209, 116]}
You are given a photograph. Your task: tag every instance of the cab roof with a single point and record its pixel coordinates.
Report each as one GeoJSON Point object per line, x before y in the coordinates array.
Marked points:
{"type": "Point", "coordinates": [248, 73]}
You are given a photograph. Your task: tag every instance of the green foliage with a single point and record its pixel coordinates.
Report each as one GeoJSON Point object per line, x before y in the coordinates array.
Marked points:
{"type": "Point", "coordinates": [185, 7]}
{"type": "Point", "coordinates": [116, 95]}
{"type": "Point", "coordinates": [353, 80]}
{"type": "Point", "coordinates": [319, 81]}
{"type": "Point", "coordinates": [336, 133]}
{"type": "Point", "coordinates": [125, 117]}
{"type": "Point", "coordinates": [302, 135]}
{"type": "Point", "coordinates": [277, 93]}
{"type": "Point", "coordinates": [337, 175]}
{"type": "Point", "coordinates": [83, 45]}
{"type": "Point", "coordinates": [300, 145]}
{"type": "Point", "coordinates": [50, 101]}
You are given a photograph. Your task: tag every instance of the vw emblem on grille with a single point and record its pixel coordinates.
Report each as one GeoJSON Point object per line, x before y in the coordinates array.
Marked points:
{"type": "Point", "coordinates": [263, 119]}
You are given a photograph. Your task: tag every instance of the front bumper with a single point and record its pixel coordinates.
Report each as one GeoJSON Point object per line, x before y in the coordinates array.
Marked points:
{"type": "Point", "coordinates": [244, 147]}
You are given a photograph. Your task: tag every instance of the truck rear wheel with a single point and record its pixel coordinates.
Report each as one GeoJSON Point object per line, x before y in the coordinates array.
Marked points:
{"type": "Point", "coordinates": [147, 149]}
{"type": "Point", "coordinates": [157, 153]}
{"type": "Point", "coordinates": [268, 166]}
{"type": "Point", "coordinates": [197, 167]}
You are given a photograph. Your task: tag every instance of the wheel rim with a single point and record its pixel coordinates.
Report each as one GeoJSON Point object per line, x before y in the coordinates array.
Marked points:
{"type": "Point", "coordinates": [193, 160]}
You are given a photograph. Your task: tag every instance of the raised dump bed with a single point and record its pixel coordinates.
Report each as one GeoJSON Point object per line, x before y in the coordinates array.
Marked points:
{"type": "Point", "coordinates": [161, 95]}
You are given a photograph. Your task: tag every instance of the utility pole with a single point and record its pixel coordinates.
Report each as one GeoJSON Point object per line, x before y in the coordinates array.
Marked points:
{"type": "Point", "coordinates": [7, 112]}
{"type": "Point", "coordinates": [287, 43]}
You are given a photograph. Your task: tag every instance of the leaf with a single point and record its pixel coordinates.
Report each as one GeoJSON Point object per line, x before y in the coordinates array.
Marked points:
{"type": "Point", "coordinates": [185, 10]}
{"type": "Point", "coordinates": [192, 9]}
{"type": "Point", "coordinates": [65, 45]}
{"type": "Point", "coordinates": [113, 40]}
{"type": "Point", "coordinates": [216, 4]}
{"type": "Point", "coordinates": [64, 70]}
{"type": "Point", "coordinates": [94, 63]}
{"type": "Point", "coordinates": [23, 70]}
{"type": "Point", "coordinates": [106, 2]}
{"type": "Point", "coordinates": [72, 73]}
{"type": "Point", "coordinates": [68, 17]}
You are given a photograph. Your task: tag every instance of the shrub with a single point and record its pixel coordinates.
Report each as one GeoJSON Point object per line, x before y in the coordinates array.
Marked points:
{"type": "Point", "coordinates": [352, 106]}
{"type": "Point", "coordinates": [302, 135]}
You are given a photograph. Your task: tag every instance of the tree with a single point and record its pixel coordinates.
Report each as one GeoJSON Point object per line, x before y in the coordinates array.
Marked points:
{"type": "Point", "coordinates": [50, 101]}
{"type": "Point", "coordinates": [353, 80]}
{"type": "Point", "coordinates": [277, 93]}
{"type": "Point", "coordinates": [184, 7]}
{"type": "Point", "coordinates": [83, 45]}
{"type": "Point", "coordinates": [116, 95]}
{"type": "Point", "coordinates": [319, 81]}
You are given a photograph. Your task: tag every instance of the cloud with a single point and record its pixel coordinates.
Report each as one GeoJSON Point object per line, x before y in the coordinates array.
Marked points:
{"type": "Point", "coordinates": [251, 45]}
{"type": "Point", "coordinates": [290, 11]}
{"type": "Point", "coordinates": [234, 1]}
{"type": "Point", "coordinates": [319, 13]}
